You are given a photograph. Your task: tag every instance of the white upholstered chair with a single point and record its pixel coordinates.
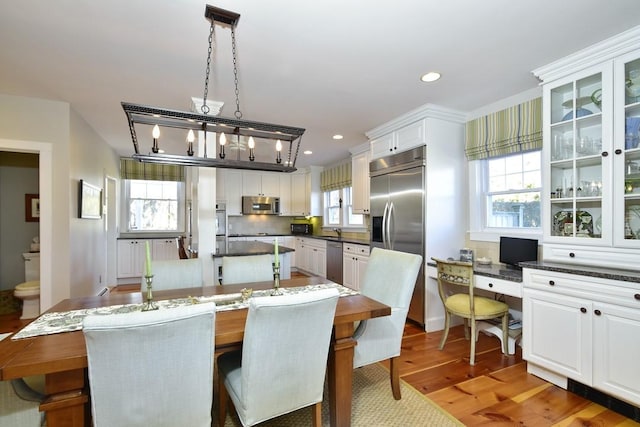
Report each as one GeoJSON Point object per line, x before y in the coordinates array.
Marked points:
{"type": "Point", "coordinates": [175, 274]}
{"type": "Point", "coordinates": [19, 403]}
{"type": "Point", "coordinates": [465, 304]}
{"type": "Point", "coordinates": [246, 269]}
{"type": "Point", "coordinates": [152, 368]}
{"type": "Point", "coordinates": [389, 278]}
{"type": "Point", "coordinates": [283, 361]}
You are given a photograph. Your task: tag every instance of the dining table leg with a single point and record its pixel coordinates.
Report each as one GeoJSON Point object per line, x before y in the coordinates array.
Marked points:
{"type": "Point", "coordinates": [340, 372]}
{"type": "Point", "coordinates": [67, 401]}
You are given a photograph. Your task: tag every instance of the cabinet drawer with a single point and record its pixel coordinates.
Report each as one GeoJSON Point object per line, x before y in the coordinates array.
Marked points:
{"type": "Point", "coordinates": [589, 255]}
{"type": "Point", "coordinates": [350, 248]}
{"type": "Point", "coordinates": [314, 243]}
{"type": "Point", "coordinates": [499, 286]}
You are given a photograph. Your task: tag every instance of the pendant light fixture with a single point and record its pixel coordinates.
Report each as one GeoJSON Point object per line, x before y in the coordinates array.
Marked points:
{"type": "Point", "coordinates": [265, 141]}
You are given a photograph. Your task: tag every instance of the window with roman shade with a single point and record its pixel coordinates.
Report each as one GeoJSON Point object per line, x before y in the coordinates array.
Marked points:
{"type": "Point", "coordinates": [513, 130]}
{"type": "Point", "coordinates": [133, 169]}
{"type": "Point", "coordinates": [336, 177]}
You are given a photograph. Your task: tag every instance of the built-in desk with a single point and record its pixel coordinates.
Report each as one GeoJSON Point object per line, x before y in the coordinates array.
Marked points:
{"type": "Point", "coordinates": [499, 279]}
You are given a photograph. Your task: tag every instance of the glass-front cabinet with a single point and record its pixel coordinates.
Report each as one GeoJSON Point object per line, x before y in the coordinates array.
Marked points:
{"type": "Point", "coordinates": [591, 154]}
{"type": "Point", "coordinates": [627, 150]}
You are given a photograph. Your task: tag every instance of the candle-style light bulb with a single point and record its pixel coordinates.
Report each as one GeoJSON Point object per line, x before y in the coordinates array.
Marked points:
{"type": "Point", "coordinates": [156, 134]}
{"type": "Point", "coordinates": [190, 138]}
{"type": "Point", "coordinates": [252, 145]}
{"type": "Point", "coordinates": [278, 150]}
{"type": "Point", "coordinates": [223, 141]}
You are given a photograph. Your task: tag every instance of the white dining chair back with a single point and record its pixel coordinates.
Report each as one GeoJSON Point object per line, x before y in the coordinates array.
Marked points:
{"type": "Point", "coordinates": [283, 361]}
{"type": "Point", "coordinates": [175, 274]}
{"type": "Point", "coordinates": [19, 405]}
{"type": "Point", "coordinates": [152, 368]}
{"type": "Point", "coordinates": [247, 269]}
{"type": "Point", "coordinates": [389, 278]}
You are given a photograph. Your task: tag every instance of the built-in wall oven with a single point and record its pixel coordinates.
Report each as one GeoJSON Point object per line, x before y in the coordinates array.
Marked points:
{"type": "Point", "coordinates": [221, 224]}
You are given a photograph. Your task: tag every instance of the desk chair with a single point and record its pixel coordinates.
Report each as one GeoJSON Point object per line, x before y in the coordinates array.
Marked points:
{"type": "Point", "coordinates": [390, 277]}
{"type": "Point", "coordinates": [283, 361]}
{"type": "Point", "coordinates": [152, 368]}
{"type": "Point", "coordinates": [175, 274]}
{"type": "Point", "coordinates": [246, 269]}
{"type": "Point", "coordinates": [456, 274]}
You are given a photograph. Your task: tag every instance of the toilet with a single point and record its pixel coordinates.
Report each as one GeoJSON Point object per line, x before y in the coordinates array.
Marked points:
{"type": "Point", "coordinates": [29, 291]}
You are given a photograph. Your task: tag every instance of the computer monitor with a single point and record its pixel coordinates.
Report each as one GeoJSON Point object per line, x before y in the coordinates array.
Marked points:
{"type": "Point", "coordinates": [514, 250]}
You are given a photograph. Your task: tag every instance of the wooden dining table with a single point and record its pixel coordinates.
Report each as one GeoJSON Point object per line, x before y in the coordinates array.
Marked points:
{"type": "Point", "coordinates": [62, 357]}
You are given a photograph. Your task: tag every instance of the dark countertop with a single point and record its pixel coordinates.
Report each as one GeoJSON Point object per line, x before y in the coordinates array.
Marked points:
{"type": "Point", "coordinates": [585, 270]}
{"type": "Point", "coordinates": [353, 240]}
{"type": "Point", "coordinates": [249, 248]}
{"type": "Point", "coordinates": [499, 271]}
{"type": "Point", "coordinates": [147, 236]}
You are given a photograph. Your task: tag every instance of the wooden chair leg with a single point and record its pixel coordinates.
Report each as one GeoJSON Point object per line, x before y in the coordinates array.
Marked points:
{"type": "Point", "coordinates": [466, 328]}
{"type": "Point", "coordinates": [472, 355]}
{"type": "Point", "coordinates": [445, 334]}
{"type": "Point", "coordinates": [223, 396]}
{"type": "Point", "coordinates": [395, 377]}
{"type": "Point", "coordinates": [316, 413]}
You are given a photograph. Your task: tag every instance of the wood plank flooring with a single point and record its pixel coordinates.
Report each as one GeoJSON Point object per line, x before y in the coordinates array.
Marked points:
{"type": "Point", "coordinates": [497, 391]}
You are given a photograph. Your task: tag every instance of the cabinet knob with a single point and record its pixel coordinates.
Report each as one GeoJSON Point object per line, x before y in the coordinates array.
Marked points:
{"type": "Point", "coordinates": [583, 310]}
{"type": "Point", "coordinates": [597, 312]}
{"type": "Point", "coordinates": [491, 285]}
{"type": "Point", "coordinates": [552, 283]}
{"type": "Point", "coordinates": [605, 154]}
{"type": "Point", "coordinates": [572, 255]}
{"type": "Point", "coordinates": [618, 151]}
{"type": "Point", "coordinates": [637, 296]}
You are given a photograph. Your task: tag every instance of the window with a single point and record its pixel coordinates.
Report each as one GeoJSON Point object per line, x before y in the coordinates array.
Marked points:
{"type": "Point", "coordinates": [507, 192]}
{"type": "Point", "coordinates": [338, 209]}
{"type": "Point", "coordinates": [154, 205]}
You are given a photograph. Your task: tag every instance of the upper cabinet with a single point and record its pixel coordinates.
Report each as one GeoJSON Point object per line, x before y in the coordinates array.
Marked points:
{"type": "Point", "coordinates": [229, 189]}
{"type": "Point", "coordinates": [360, 179]}
{"type": "Point", "coordinates": [306, 197]}
{"type": "Point", "coordinates": [591, 120]}
{"type": "Point", "coordinates": [410, 136]}
{"type": "Point", "coordinates": [261, 184]}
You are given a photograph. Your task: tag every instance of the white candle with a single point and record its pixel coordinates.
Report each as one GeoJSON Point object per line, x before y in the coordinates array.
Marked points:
{"type": "Point", "coordinates": [277, 258]}
{"type": "Point", "coordinates": [148, 260]}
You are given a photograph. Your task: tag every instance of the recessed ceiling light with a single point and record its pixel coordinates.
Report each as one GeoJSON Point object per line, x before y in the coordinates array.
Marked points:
{"type": "Point", "coordinates": [307, 152]}
{"type": "Point", "coordinates": [338, 136]}
{"type": "Point", "coordinates": [430, 77]}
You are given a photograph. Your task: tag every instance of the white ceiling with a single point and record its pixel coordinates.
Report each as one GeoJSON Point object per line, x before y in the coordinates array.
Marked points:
{"type": "Point", "coordinates": [331, 66]}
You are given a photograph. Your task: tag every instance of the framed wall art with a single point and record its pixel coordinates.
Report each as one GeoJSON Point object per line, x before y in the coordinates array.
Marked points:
{"type": "Point", "coordinates": [32, 207]}
{"type": "Point", "coordinates": [89, 201]}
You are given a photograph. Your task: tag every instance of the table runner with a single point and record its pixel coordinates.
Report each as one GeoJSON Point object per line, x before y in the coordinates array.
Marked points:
{"type": "Point", "coordinates": [69, 321]}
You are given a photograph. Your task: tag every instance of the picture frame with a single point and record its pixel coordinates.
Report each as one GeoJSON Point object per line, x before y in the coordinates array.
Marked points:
{"type": "Point", "coordinates": [32, 207]}
{"type": "Point", "coordinates": [89, 201]}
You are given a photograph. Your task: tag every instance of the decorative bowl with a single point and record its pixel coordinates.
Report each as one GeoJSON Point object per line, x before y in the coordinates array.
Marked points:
{"type": "Point", "coordinates": [633, 90]}
{"type": "Point", "coordinates": [483, 260]}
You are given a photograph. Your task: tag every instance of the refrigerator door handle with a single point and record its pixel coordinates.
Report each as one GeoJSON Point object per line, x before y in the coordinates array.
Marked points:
{"type": "Point", "coordinates": [384, 225]}
{"type": "Point", "coordinates": [388, 231]}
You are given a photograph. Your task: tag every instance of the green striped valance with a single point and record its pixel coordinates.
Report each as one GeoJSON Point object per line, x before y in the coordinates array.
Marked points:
{"type": "Point", "coordinates": [133, 169]}
{"type": "Point", "coordinates": [336, 177]}
{"type": "Point", "coordinates": [512, 130]}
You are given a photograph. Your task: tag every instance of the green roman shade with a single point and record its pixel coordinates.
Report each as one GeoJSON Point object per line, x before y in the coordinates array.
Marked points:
{"type": "Point", "coordinates": [513, 130]}
{"type": "Point", "coordinates": [133, 169]}
{"type": "Point", "coordinates": [336, 177]}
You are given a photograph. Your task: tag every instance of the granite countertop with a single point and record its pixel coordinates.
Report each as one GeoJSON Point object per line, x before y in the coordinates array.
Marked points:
{"type": "Point", "coordinates": [249, 248]}
{"type": "Point", "coordinates": [585, 270]}
{"type": "Point", "coordinates": [353, 240]}
{"type": "Point", "coordinates": [499, 271]}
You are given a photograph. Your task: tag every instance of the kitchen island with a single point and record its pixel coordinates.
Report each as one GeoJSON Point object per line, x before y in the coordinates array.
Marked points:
{"type": "Point", "coordinates": [245, 248]}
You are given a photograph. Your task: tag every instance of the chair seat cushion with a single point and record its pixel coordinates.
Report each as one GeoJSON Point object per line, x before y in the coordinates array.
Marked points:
{"type": "Point", "coordinates": [459, 304]}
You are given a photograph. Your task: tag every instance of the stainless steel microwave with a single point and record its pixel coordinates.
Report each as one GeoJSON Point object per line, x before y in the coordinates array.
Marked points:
{"type": "Point", "coordinates": [258, 205]}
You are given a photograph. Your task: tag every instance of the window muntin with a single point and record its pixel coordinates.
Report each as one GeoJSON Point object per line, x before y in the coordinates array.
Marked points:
{"type": "Point", "coordinates": [154, 205]}
{"type": "Point", "coordinates": [338, 209]}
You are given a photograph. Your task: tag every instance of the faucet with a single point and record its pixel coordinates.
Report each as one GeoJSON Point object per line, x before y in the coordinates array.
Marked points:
{"type": "Point", "coordinates": [339, 232]}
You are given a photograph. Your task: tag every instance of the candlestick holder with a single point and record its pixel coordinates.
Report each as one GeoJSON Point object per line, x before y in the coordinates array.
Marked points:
{"type": "Point", "coordinates": [149, 304]}
{"type": "Point", "coordinates": [276, 281]}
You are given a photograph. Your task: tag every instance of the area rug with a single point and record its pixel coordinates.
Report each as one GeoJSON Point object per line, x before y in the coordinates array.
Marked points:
{"type": "Point", "coordinates": [8, 303]}
{"type": "Point", "coordinates": [373, 406]}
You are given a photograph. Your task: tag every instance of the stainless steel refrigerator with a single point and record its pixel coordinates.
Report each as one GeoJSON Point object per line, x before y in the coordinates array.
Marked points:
{"type": "Point", "coordinates": [397, 206]}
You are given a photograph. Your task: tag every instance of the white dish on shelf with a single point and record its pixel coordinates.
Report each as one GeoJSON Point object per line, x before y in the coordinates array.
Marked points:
{"type": "Point", "coordinates": [483, 260]}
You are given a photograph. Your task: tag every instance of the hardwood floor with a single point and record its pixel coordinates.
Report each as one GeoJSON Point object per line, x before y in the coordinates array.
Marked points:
{"type": "Point", "coordinates": [497, 391]}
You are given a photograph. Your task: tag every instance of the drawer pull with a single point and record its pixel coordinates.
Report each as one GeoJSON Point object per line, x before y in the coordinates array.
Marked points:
{"type": "Point", "coordinates": [491, 285]}
{"type": "Point", "coordinates": [552, 283]}
{"type": "Point", "coordinates": [605, 154]}
{"type": "Point", "coordinates": [618, 151]}
{"type": "Point", "coordinates": [597, 312]}
{"type": "Point", "coordinates": [583, 310]}
{"type": "Point", "coordinates": [572, 255]}
{"type": "Point", "coordinates": [637, 296]}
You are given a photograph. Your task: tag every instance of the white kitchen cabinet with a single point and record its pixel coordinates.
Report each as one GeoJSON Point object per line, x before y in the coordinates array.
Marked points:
{"type": "Point", "coordinates": [232, 182]}
{"type": "Point", "coordinates": [354, 264]}
{"type": "Point", "coordinates": [591, 202]}
{"type": "Point", "coordinates": [164, 249]}
{"type": "Point", "coordinates": [285, 194]}
{"type": "Point", "coordinates": [131, 257]}
{"type": "Point", "coordinates": [261, 184]}
{"type": "Point", "coordinates": [409, 136]}
{"type": "Point", "coordinates": [312, 255]}
{"type": "Point", "coordinates": [360, 181]}
{"type": "Point", "coordinates": [306, 197]}
{"type": "Point", "coordinates": [583, 328]}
